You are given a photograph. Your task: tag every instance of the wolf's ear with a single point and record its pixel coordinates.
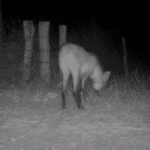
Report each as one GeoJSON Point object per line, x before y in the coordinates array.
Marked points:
{"type": "Point", "coordinates": [106, 76]}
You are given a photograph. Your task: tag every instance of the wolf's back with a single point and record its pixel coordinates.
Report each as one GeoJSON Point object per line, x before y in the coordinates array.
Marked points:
{"type": "Point", "coordinates": [75, 57]}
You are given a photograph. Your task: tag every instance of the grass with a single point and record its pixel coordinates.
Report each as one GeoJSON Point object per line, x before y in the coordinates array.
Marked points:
{"type": "Point", "coordinates": [119, 116]}
{"type": "Point", "coordinates": [119, 96]}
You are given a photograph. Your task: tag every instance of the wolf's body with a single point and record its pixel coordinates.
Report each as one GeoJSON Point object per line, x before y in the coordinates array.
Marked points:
{"type": "Point", "coordinates": [81, 64]}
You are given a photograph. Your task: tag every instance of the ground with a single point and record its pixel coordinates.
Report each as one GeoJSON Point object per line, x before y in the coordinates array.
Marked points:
{"type": "Point", "coordinates": [51, 128]}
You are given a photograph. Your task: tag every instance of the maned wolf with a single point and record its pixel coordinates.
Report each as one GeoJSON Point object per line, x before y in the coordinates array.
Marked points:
{"type": "Point", "coordinates": [81, 64]}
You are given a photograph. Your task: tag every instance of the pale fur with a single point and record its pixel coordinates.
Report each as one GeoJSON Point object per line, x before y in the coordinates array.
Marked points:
{"type": "Point", "coordinates": [75, 60]}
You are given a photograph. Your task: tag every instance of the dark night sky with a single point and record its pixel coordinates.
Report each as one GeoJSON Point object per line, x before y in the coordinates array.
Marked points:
{"type": "Point", "coordinates": [109, 21]}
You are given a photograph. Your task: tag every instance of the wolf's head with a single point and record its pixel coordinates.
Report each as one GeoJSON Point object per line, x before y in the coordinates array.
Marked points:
{"type": "Point", "coordinates": [99, 78]}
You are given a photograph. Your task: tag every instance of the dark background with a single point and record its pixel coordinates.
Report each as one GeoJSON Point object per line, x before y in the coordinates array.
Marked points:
{"type": "Point", "coordinates": [98, 27]}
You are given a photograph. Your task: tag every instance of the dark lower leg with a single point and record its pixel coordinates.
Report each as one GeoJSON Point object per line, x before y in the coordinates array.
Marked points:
{"type": "Point", "coordinates": [79, 99]}
{"type": "Point", "coordinates": [77, 96]}
{"type": "Point", "coordinates": [63, 105]}
{"type": "Point", "coordinates": [84, 93]}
